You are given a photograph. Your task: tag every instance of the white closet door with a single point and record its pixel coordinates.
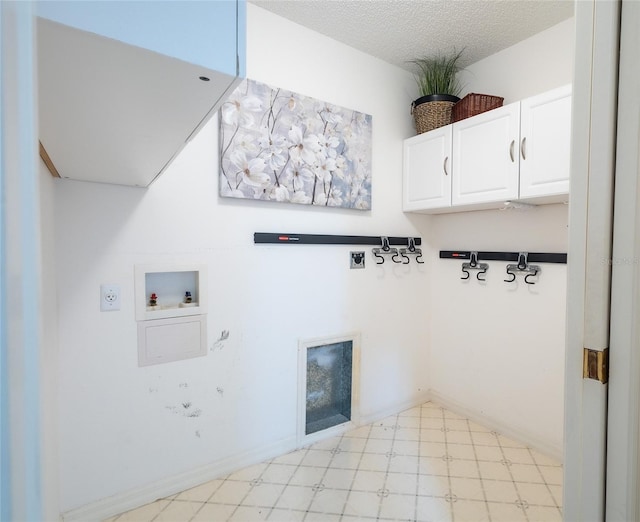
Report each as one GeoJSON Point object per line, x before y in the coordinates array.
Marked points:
{"type": "Point", "coordinates": [588, 279]}
{"type": "Point", "coordinates": [623, 436]}
{"type": "Point", "coordinates": [21, 371]}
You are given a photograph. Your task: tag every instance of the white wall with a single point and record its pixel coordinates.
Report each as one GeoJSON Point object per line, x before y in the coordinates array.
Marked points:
{"type": "Point", "coordinates": [530, 67]}
{"type": "Point", "coordinates": [49, 348]}
{"type": "Point", "coordinates": [497, 349]}
{"type": "Point", "coordinates": [119, 435]}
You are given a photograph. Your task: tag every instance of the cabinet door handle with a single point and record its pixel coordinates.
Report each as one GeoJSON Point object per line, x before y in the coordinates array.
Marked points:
{"type": "Point", "coordinates": [513, 143]}
{"type": "Point", "coordinates": [444, 165]}
{"type": "Point", "coordinates": [523, 150]}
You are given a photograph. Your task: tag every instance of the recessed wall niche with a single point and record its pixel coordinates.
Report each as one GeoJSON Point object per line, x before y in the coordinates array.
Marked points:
{"type": "Point", "coordinates": [171, 308]}
{"type": "Point", "coordinates": [169, 284]}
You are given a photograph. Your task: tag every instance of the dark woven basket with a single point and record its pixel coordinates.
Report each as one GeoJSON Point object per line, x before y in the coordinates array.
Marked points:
{"type": "Point", "coordinates": [473, 104]}
{"type": "Point", "coordinates": [431, 112]}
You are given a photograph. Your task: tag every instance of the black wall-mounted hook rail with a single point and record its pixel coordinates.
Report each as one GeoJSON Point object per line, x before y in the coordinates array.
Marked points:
{"type": "Point", "coordinates": [532, 257]}
{"type": "Point", "coordinates": [326, 239]}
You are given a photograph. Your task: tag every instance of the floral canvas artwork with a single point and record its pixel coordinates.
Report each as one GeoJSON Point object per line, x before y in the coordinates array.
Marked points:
{"type": "Point", "coordinates": [281, 146]}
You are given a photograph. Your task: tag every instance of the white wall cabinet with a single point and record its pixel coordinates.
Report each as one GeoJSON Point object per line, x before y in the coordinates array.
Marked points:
{"type": "Point", "coordinates": [486, 157]}
{"type": "Point", "coordinates": [545, 135]}
{"type": "Point", "coordinates": [517, 152]}
{"type": "Point", "coordinates": [427, 165]}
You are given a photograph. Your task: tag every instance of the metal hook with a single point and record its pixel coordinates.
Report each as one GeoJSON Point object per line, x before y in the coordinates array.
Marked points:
{"type": "Point", "coordinates": [473, 264]}
{"type": "Point", "coordinates": [522, 266]}
{"type": "Point", "coordinates": [385, 249]}
{"type": "Point", "coordinates": [533, 273]}
{"type": "Point", "coordinates": [411, 249]}
{"type": "Point", "coordinates": [512, 274]}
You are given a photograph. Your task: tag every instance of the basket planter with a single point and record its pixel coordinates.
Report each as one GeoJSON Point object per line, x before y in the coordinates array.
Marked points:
{"type": "Point", "coordinates": [432, 111]}
{"type": "Point", "coordinates": [473, 104]}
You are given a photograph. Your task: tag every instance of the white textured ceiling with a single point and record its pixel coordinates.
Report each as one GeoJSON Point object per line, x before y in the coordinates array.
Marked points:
{"type": "Point", "coordinates": [398, 31]}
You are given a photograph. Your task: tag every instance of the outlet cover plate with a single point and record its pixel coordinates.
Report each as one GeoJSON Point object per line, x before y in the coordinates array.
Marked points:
{"type": "Point", "coordinates": [357, 259]}
{"type": "Point", "coordinates": [109, 298]}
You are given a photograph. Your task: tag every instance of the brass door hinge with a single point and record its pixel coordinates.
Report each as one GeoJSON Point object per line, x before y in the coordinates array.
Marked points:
{"type": "Point", "coordinates": [595, 365]}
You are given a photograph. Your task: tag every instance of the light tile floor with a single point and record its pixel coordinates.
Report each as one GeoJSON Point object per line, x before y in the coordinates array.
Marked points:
{"type": "Point", "coordinates": [424, 464]}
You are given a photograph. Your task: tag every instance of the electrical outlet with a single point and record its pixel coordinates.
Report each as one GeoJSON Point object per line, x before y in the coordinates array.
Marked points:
{"type": "Point", "coordinates": [357, 259]}
{"type": "Point", "coordinates": [109, 298]}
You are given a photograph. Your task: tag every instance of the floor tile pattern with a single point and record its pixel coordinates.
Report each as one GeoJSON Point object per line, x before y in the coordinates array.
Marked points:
{"type": "Point", "coordinates": [425, 464]}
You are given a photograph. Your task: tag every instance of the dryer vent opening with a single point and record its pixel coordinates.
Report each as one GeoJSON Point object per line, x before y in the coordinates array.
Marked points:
{"type": "Point", "coordinates": [329, 372]}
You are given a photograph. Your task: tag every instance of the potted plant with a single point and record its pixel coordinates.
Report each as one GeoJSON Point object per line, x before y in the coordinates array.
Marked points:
{"type": "Point", "coordinates": [439, 88]}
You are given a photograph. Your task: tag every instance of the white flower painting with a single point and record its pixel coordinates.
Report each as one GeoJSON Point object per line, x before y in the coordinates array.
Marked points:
{"type": "Point", "coordinates": [281, 146]}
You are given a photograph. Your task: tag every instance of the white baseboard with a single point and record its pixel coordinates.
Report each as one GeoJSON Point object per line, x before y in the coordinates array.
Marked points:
{"type": "Point", "coordinates": [132, 499]}
{"type": "Point", "coordinates": [551, 450]}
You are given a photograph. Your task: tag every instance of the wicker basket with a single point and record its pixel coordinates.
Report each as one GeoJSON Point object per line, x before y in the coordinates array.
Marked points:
{"type": "Point", "coordinates": [431, 115]}
{"type": "Point", "coordinates": [473, 104]}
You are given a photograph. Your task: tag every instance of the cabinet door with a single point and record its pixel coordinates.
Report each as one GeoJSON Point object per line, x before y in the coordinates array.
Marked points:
{"type": "Point", "coordinates": [427, 170]}
{"type": "Point", "coordinates": [545, 141]}
{"type": "Point", "coordinates": [485, 157]}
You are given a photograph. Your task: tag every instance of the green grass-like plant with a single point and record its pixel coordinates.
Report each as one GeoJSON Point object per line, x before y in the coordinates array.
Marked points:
{"type": "Point", "coordinates": [438, 75]}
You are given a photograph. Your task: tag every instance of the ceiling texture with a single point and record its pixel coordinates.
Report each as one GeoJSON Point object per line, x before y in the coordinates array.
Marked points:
{"type": "Point", "coordinates": [398, 31]}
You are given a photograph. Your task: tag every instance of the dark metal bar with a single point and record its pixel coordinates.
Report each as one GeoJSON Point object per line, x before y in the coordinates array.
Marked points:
{"type": "Point", "coordinates": [532, 257]}
{"type": "Point", "coordinates": [327, 239]}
